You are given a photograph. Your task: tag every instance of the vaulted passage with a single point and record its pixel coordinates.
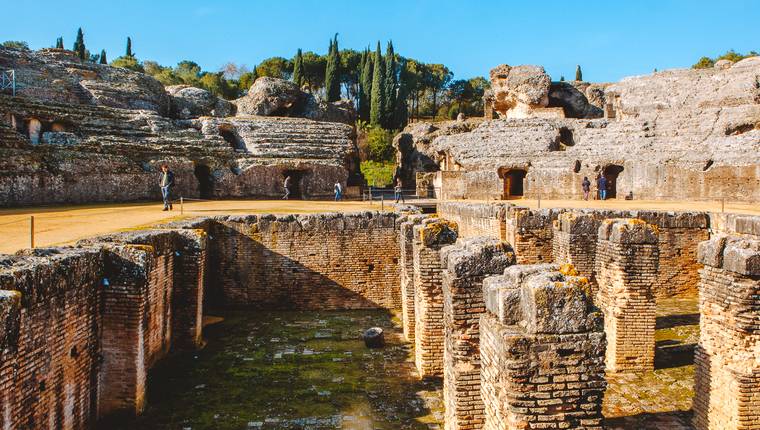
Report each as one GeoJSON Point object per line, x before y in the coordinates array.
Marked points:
{"type": "Point", "coordinates": [612, 173]}
{"type": "Point", "coordinates": [514, 183]}
{"type": "Point", "coordinates": [205, 181]}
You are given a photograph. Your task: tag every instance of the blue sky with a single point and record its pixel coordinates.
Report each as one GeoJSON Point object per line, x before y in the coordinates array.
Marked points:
{"type": "Point", "coordinates": [609, 39]}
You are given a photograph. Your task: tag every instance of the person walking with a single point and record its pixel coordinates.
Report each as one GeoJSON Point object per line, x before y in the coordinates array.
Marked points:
{"type": "Point", "coordinates": [601, 184]}
{"type": "Point", "coordinates": [338, 191]}
{"type": "Point", "coordinates": [586, 186]}
{"type": "Point", "coordinates": [166, 182]}
{"type": "Point", "coordinates": [399, 192]}
{"type": "Point", "coordinates": [287, 188]}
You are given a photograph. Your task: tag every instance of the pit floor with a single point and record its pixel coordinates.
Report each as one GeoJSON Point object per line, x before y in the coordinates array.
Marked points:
{"type": "Point", "coordinates": [292, 370]}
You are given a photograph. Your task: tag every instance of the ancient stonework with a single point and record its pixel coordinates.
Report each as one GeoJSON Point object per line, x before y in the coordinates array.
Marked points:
{"type": "Point", "coordinates": [727, 380]}
{"type": "Point", "coordinates": [542, 351]}
{"type": "Point", "coordinates": [429, 238]}
{"type": "Point", "coordinates": [627, 259]}
{"type": "Point", "coordinates": [406, 265]}
{"type": "Point", "coordinates": [465, 265]}
{"type": "Point", "coordinates": [574, 242]}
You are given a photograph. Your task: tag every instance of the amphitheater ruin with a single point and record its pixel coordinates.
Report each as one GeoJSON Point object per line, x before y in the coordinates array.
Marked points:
{"type": "Point", "coordinates": [520, 318]}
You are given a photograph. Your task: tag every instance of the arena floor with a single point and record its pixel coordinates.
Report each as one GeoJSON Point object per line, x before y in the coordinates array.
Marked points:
{"type": "Point", "coordinates": [60, 225]}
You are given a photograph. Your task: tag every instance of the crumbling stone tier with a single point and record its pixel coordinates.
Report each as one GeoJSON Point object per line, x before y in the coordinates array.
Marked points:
{"type": "Point", "coordinates": [627, 255]}
{"type": "Point", "coordinates": [727, 359]}
{"type": "Point", "coordinates": [542, 351]}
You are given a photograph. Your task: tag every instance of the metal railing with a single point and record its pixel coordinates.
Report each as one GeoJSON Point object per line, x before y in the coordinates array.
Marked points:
{"type": "Point", "coordinates": [8, 81]}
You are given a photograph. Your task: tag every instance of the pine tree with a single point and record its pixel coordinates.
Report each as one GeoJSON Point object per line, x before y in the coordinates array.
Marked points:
{"type": "Point", "coordinates": [103, 59]}
{"type": "Point", "coordinates": [391, 83]}
{"type": "Point", "coordinates": [378, 89]}
{"type": "Point", "coordinates": [332, 73]}
{"type": "Point", "coordinates": [59, 43]}
{"type": "Point", "coordinates": [366, 87]}
{"type": "Point", "coordinates": [562, 79]}
{"type": "Point", "coordinates": [298, 69]}
{"type": "Point", "coordinates": [79, 45]}
{"type": "Point", "coordinates": [129, 47]}
{"type": "Point", "coordinates": [578, 73]}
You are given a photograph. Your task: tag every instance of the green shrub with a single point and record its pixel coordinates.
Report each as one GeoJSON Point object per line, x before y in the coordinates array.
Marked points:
{"type": "Point", "coordinates": [130, 63]}
{"type": "Point", "coordinates": [378, 174]}
{"type": "Point", "coordinates": [380, 144]}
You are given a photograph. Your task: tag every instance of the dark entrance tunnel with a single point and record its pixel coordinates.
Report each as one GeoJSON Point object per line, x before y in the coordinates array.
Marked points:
{"type": "Point", "coordinates": [205, 181]}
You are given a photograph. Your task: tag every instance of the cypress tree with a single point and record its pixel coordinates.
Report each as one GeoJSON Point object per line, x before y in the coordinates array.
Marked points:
{"type": "Point", "coordinates": [103, 59]}
{"type": "Point", "coordinates": [129, 47]}
{"type": "Point", "coordinates": [366, 87]}
{"type": "Point", "coordinates": [332, 73]}
{"type": "Point", "coordinates": [59, 43]}
{"type": "Point", "coordinates": [390, 86]}
{"type": "Point", "coordinates": [378, 89]}
{"type": "Point", "coordinates": [79, 45]}
{"type": "Point", "coordinates": [578, 73]}
{"type": "Point", "coordinates": [298, 69]}
{"type": "Point", "coordinates": [401, 113]}
{"type": "Point", "coordinates": [562, 79]}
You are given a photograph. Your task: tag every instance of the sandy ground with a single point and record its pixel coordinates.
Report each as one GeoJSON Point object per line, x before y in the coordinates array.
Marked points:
{"type": "Point", "coordinates": [60, 225]}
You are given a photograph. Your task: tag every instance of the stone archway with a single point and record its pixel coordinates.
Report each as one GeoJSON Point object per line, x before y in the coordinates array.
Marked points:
{"type": "Point", "coordinates": [205, 181]}
{"type": "Point", "coordinates": [34, 127]}
{"type": "Point", "coordinates": [612, 173]}
{"type": "Point", "coordinates": [514, 182]}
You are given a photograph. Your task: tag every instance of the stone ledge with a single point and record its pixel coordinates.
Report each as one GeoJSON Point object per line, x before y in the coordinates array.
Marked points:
{"type": "Point", "coordinates": [733, 253]}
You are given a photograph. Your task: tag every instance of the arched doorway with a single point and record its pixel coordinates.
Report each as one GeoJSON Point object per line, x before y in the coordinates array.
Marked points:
{"type": "Point", "coordinates": [205, 181]}
{"type": "Point", "coordinates": [296, 186]}
{"type": "Point", "coordinates": [611, 173]}
{"type": "Point", "coordinates": [514, 182]}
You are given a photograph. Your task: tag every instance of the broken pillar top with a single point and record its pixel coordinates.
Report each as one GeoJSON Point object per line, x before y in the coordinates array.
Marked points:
{"type": "Point", "coordinates": [541, 299]}
{"type": "Point", "coordinates": [437, 232]}
{"type": "Point", "coordinates": [478, 256]}
{"type": "Point", "coordinates": [737, 254]}
{"type": "Point", "coordinates": [578, 223]}
{"type": "Point", "coordinates": [628, 230]}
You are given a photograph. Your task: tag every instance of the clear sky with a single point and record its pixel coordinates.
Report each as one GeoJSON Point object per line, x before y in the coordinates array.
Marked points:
{"type": "Point", "coordinates": [609, 39]}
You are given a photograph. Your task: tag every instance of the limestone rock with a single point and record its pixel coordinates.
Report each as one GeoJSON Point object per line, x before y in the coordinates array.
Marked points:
{"type": "Point", "coordinates": [518, 90]}
{"type": "Point", "coordinates": [270, 97]}
{"type": "Point", "coordinates": [571, 97]}
{"type": "Point", "coordinates": [191, 102]}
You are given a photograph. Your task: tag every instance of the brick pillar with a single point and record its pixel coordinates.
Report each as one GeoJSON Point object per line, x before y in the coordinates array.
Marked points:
{"type": "Point", "coordinates": [530, 234]}
{"type": "Point", "coordinates": [574, 242]}
{"type": "Point", "coordinates": [465, 264]}
{"type": "Point", "coordinates": [406, 263]}
{"type": "Point", "coordinates": [429, 238]}
{"type": "Point", "coordinates": [542, 351]}
{"type": "Point", "coordinates": [187, 294]}
{"type": "Point", "coordinates": [627, 256]}
{"type": "Point", "coordinates": [122, 379]}
{"type": "Point", "coordinates": [727, 359]}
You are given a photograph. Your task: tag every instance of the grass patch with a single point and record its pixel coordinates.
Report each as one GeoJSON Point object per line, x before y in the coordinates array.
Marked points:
{"type": "Point", "coordinates": [378, 173]}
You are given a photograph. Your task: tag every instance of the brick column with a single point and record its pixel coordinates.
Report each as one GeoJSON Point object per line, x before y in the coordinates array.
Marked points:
{"type": "Point", "coordinates": [187, 294]}
{"type": "Point", "coordinates": [727, 359]}
{"type": "Point", "coordinates": [122, 379]}
{"type": "Point", "coordinates": [530, 234]}
{"type": "Point", "coordinates": [406, 263]}
{"type": "Point", "coordinates": [542, 351]}
{"type": "Point", "coordinates": [429, 238]}
{"type": "Point", "coordinates": [465, 264]}
{"type": "Point", "coordinates": [627, 263]}
{"type": "Point", "coordinates": [574, 242]}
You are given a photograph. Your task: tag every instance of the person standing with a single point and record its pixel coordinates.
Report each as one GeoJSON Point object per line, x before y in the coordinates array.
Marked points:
{"type": "Point", "coordinates": [166, 182]}
{"type": "Point", "coordinates": [601, 184]}
{"type": "Point", "coordinates": [287, 188]}
{"type": "Point", "coordinates": [399, 192]}
{"type": "Point", "coordinates": [586, 186]}
{"type": "Point", "coordinates": [338, 191]}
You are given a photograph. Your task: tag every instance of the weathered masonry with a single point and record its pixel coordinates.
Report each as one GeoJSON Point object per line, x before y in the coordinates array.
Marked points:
{"type": "Point", "coordinates": [727, 389]}
{"type": "Point", "coordinates": [429, 238]}
{"type": "Point", "coordinates": [81, 327]}
{"type": "Point", "coordinates": [542, 351]}
{"type": "Point", "coordinates": [406, 263]}
{"type": "Point", "coordinates": [627, 258]}
{"type": "Point", "coordinates": [465, 265]}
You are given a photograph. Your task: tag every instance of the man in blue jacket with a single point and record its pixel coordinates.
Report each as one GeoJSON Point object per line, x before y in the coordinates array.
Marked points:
{"type": "Point", "coordinates": [601, 184]}
{"type": "Point", "coordinates": [166, 182]}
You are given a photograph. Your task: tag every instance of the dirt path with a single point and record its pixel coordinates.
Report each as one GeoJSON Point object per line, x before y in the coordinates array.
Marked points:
{"type": "Point", "coordinates": [60, 225]}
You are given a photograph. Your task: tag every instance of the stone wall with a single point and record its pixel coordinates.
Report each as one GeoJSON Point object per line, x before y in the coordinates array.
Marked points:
{"type": "Point", "coordinates": [475, 185]}
{"type": "Point", "coordinates": [530, 233]}
{"type": "Point", "coordinates": [542, 351]}
{"type": "Point", "coordinates": [727, 379]}
{"type": "Point", "coordinates": [429, 238]}
{"type": "Point", "coordinates": [321, 261]}
{"type": "Point", "coordinates": [465, 264]}
{"type": "Point", "coordinates": [574, 242]}
{"type": "Point", "coordinates": [406, 265]}
{"type": "Point", "coordinates": [627, 260]}
{"type": "Point", "coordinates": [476, 219]}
